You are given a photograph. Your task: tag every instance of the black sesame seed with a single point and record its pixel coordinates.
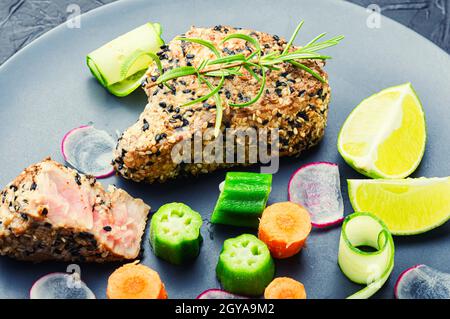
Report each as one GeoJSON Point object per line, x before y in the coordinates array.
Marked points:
{"type": "Point", "coordinates": [153, 78]}
{"type": "Point", "coordinates": [78, 179]}
{"type": "Point", "coordinates": [159, 137]}
{"type": "Point", "coordinates": [264, 122]}
{"type": "Point", "coordinates": [107, 228]}
{"type": "Point", "coordinates": [24, 216]}
{"type": "Point", "coordinates": [185, 122]}
{"type": "Point", "coordinates": [284, 74]}
{"type": "Point", "coordinates": [164, 47]}
{"type": "Point", "coordinates": [217, 28]}
{"type": "Point", "coordinates": [144, 83]}
{"type": "Point", "coordinates": [279, 83]}
{"type": "Point", "coordinates": [320, 92]}
{"type": "Point", "coordinates": [228, 51]}
{"type": "Point", "coordinates": [170, 108]}
{"type": "Point", "coordinates": [208, 106]}
{"type": "Point", "coordinates": [227, 94]}
{"type": "Point", "coordinates": [160, 85]}
{"type": "Point", "coordinates": [177, 110]}
{"type": "Point", "coordinates": [33, 186]}
{"type": "Point", "coordinates": [162, 104]}
{"type": "Point", "coordinates": [177, 117]}
{"type": "Point", "coordinates": [186, 91]}
{"type": "Point", "coordinates": [13, 187]}
{"type": "Point", "coordinates": [276, 38]}
{"type": "Point", "coordinates": [44, 212]}
{"type": "Point", "coordinates": [301, 93]}
{"type": "Point", "coordinates": [303, 115]}
{"type": "Point", "coordinates": [155, 92]}
{"type": "Point", "coordinates": [146, 126]}
{"type": "Point", "coordinates": [190, 56]}
{"type": "Point", "coordinates": [278, 91]}
{"type": "Point", "coordinates": [163, 57]}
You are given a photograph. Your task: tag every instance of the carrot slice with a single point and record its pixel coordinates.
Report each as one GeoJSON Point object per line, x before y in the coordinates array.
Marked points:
{"type": "Point", "coordinates": [135, 281]}
{"type": "Point", "coordinates": [284, 228]}
{"type": "Point", "coordinates": [285, 288]}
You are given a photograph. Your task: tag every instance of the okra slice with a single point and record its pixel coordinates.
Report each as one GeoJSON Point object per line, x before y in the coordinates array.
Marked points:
{"type": "Point", "coordinates": [243, 199]}
{"type": "Point", "coordinates": [175, 233]}
{"type": "Point", "coordinates": [245, 266]}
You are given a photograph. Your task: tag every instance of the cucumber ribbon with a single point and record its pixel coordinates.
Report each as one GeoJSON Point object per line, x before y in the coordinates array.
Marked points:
{"type": "Point", "coordinates": [120, 65]}
{"type": "Point", "coordinates": [366, 268]}
{"type": "Point", "coordinates": [243, 199]}
{"type": "Point", "coordinates": [175, 233]}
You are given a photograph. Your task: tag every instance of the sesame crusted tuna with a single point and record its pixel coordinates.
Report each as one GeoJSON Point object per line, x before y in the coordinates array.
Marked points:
{"type": "Point", "coordinates": [293, 101]}
{"type": "Point", "coordinates": [50, 212]}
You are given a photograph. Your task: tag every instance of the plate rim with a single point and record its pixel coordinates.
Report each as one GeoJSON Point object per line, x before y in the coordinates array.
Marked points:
{"type": "Point", "coordinates": [124, 2]}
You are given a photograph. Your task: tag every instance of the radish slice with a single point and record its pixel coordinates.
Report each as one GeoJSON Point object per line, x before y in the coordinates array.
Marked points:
{"type": "Point", "coordinates": [317, 187]}
{"type": "Point", "coordinates": [60, 285]}
{"type": "Point", "coordinates": [218, 294]}
{"type": "Point", "coordinates": [422, 282]}
{"type": "Point", "coordinates": [89, 151]}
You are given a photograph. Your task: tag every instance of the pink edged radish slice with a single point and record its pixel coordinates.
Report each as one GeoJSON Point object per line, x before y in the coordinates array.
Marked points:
{"type": "Point", "coordinates": [218, 294]}
{"type": "Point", "coordinates": [60, 285]}
{"type": "Point", "coordinates": [422, 282]}
{"type": "Point", "coordinates": [316, 186]}
{"type": "Point", "coordinates": [89, 151]}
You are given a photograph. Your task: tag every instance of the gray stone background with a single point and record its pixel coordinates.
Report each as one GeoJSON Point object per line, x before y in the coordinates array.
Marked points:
{"type": "Point", "coordinates": [22, 21]}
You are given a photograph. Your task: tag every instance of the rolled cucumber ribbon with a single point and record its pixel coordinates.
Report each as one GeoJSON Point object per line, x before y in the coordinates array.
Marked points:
{"type": "Point", "coordinates": [121, 64]}
{"type": "Point", "coordinates": [366, 268]}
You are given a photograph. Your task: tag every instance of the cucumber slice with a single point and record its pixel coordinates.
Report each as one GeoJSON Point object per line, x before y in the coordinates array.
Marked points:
{"type": "Point", "coordinates": [366, 268]}
{"type": "Point", "coordinates": [175, 233]}
{"type": "Point", "coordinates": [120, 65]}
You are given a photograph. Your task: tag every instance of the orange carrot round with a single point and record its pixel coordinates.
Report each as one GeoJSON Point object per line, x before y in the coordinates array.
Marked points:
{"type": "Point", "coordinates": [135, 281]}
{"type": "Point", "coordinates": [285, 288]}
{"type": "Point", "coordinates": [284, 228]}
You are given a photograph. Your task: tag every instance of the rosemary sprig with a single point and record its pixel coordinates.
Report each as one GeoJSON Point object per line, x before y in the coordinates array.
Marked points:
{"type": "Point", "coordinates": [223, 66]}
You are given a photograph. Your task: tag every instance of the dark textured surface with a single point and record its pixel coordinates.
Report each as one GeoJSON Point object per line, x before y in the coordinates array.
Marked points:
{"type": "Point", "coordinates": [61, 94]}
{"type": "Point", "coordinates": [22, 21]}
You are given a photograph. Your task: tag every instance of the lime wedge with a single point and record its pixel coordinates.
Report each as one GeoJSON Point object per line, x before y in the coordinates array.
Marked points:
{"type": "Point", "coordinates": [385, 135]}
{"type": "Point", "coordinates": [407, 206]}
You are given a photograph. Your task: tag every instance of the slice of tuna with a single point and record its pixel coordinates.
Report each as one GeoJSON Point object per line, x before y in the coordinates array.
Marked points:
{"type": "Point", "coordinates": [51, 212]}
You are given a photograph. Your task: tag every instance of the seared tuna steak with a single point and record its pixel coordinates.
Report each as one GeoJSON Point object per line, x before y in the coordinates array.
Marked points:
{"type": "Point", "coordinates": [293, 101]}
{"type": "Point", "coordinates": [50, 212]}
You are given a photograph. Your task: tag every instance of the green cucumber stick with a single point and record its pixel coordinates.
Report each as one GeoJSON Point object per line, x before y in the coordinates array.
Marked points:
{"type": "Point", "coordinates": [120, 64]}
{"type": "Point", "coordinates": [243, 199]}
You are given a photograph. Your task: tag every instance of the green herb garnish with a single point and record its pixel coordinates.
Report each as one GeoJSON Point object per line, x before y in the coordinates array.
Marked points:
{"type": "Point", "coordinates": [224, 66]}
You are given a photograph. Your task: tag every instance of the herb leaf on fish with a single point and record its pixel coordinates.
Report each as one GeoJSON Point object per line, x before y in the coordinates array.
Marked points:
{"type": "Point", "coordinates": [255, 63]}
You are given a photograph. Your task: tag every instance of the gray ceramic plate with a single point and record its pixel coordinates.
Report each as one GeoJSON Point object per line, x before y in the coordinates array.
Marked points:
{"type": "Point", "coordinates": [46, 89]}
